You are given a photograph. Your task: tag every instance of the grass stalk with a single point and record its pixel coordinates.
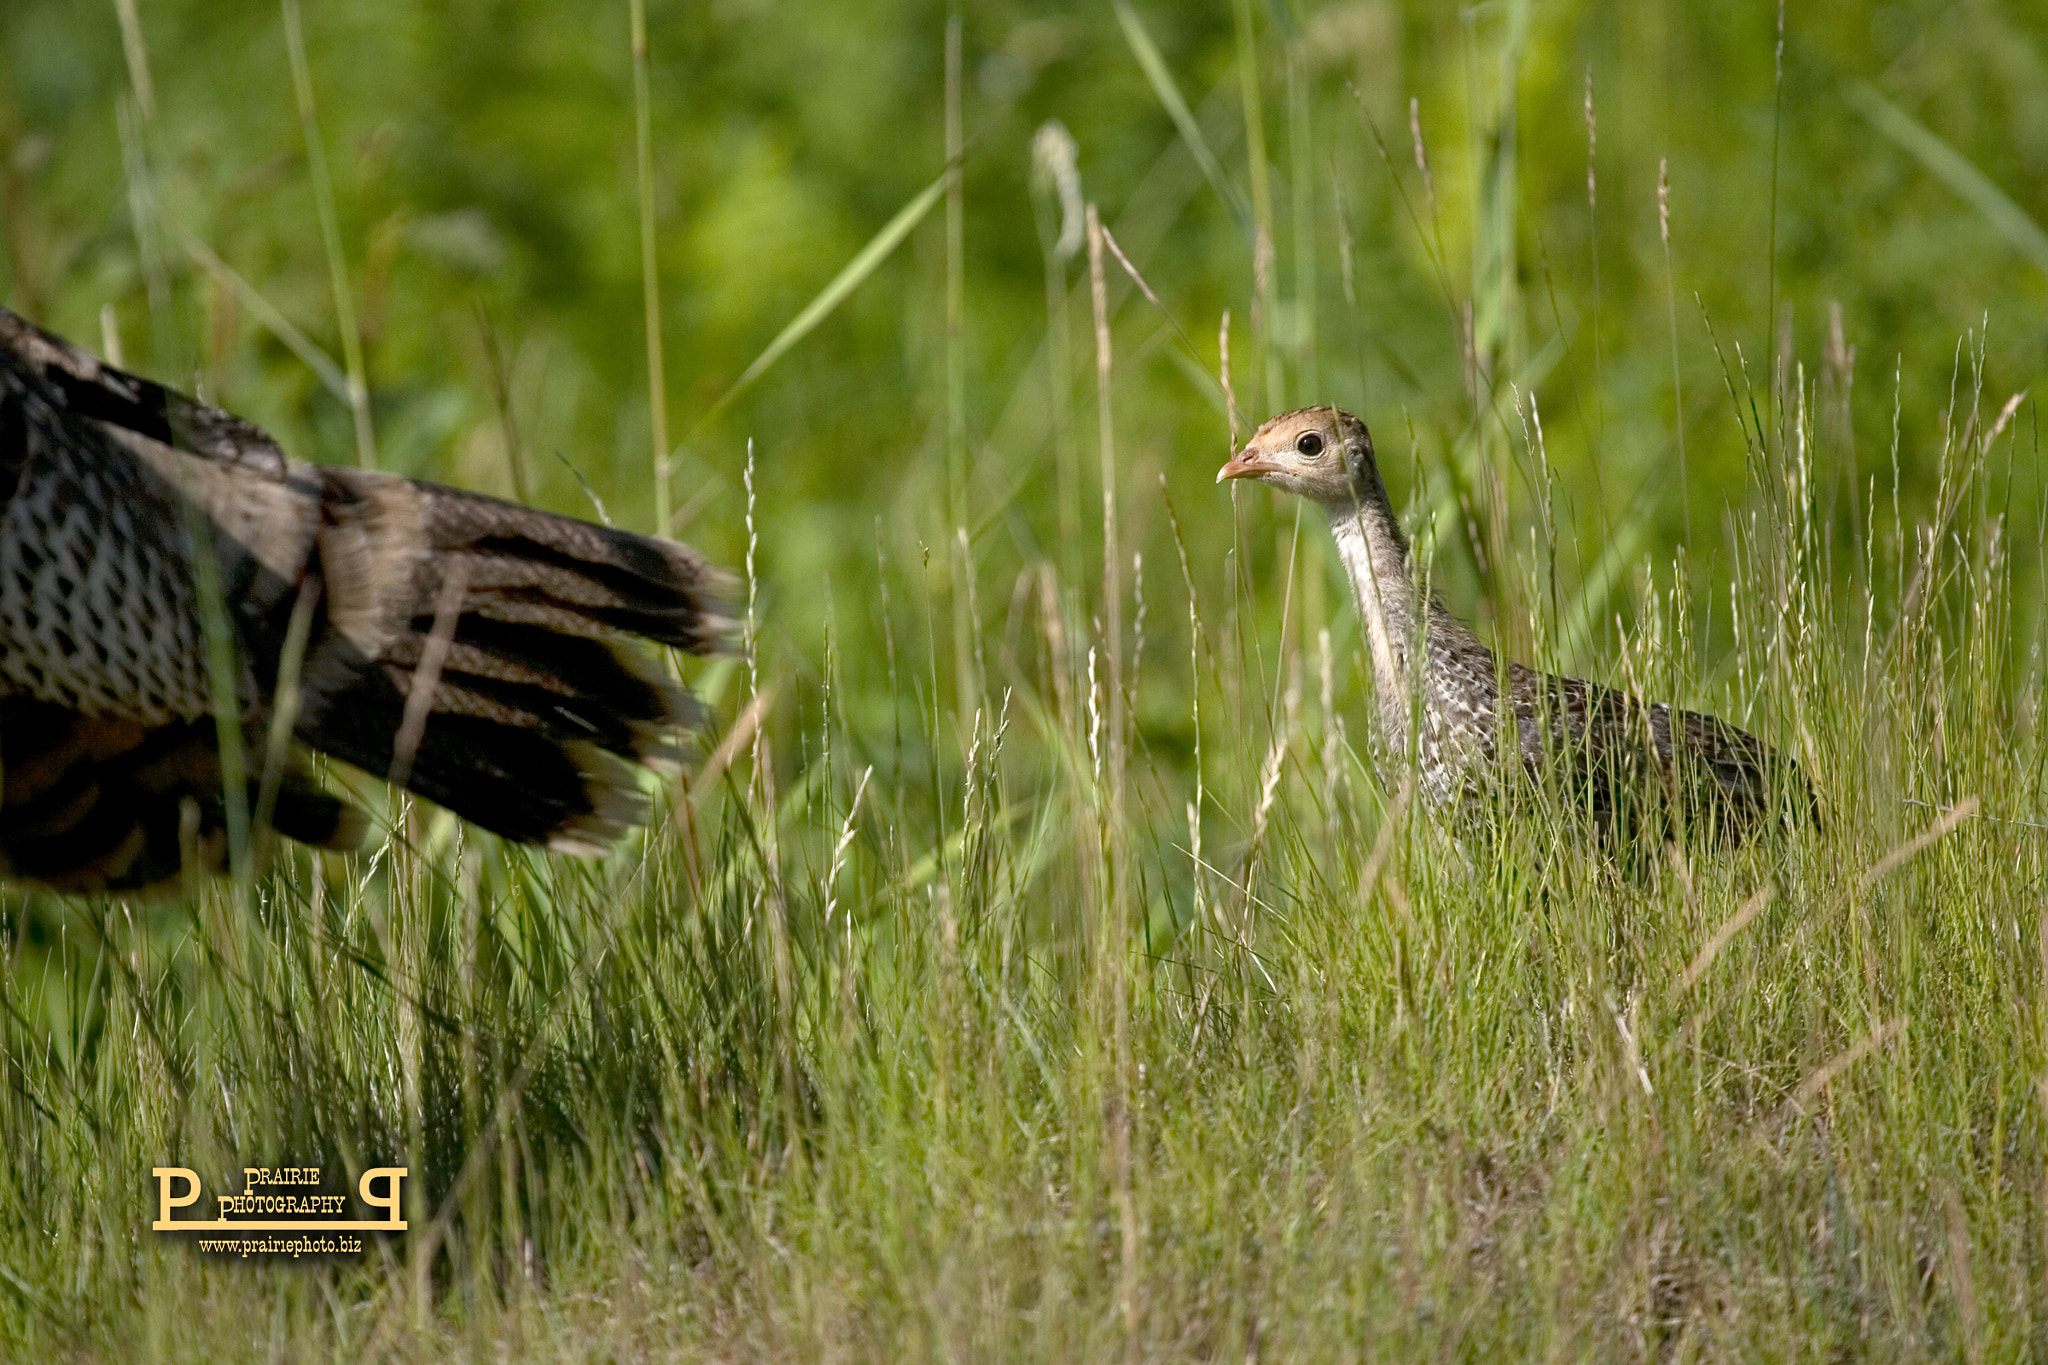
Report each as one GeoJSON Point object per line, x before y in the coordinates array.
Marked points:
{"type": "Point", "coordinates": [650, 265]}
{"type": "Point", "coordinates": [330, 238]}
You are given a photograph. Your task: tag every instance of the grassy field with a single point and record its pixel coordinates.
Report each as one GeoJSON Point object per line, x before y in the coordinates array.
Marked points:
{"type": "Point", "coordinates": [1036, 963]}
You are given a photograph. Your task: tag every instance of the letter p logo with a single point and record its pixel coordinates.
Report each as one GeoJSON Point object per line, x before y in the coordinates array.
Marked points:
{"type": "Point", "coordinates": [165, 1203]}
{"type": "Point", "coordinates": [393, 1197]}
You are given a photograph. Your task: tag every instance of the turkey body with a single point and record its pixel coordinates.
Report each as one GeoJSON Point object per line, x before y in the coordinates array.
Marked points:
{"type": "Point", "coordinates": [153, 548]}
{"type": "Point", "coordinates": [1635, 768]}
{"type": "Point", "coordinates": [1630, 766]}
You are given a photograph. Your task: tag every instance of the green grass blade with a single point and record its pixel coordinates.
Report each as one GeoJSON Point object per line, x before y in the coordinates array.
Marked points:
{"type": "Point", "coordinates": [833, 294]}
{"type": "Point", "coordinates": [1954, 170]}
{"type": "Point", "coordinates": [1161, 79]}
{"type": "Point", "coordinates": [304, 347]}
{"type": "Point", "coordinates": [330, 237]}
{"type": "Point", "coordinates": [650, 264]}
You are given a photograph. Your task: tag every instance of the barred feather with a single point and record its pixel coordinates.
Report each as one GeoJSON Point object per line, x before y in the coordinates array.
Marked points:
{"type": "Point", "coordinates": [484, 655]}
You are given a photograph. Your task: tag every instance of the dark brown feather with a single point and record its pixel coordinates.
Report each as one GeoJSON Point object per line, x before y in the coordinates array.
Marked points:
{"type": "Point", "coordinates": [488, 655]}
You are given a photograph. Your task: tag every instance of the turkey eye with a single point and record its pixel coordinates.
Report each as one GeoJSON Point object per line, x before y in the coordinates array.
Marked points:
{"type": "Point", "coordinates": [1309, 444]}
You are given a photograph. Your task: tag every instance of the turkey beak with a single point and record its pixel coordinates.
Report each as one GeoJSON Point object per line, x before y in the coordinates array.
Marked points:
{"type": "Point", "coordinates": [1246, 464]}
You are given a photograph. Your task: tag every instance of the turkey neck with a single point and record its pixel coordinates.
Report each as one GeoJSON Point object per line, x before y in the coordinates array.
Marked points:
{"type": "Point", "coordinates": [1398, 617]}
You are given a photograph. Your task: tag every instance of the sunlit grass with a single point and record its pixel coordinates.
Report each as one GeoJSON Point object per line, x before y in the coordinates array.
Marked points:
{"type": "Point", "coordinates": [1375, 1086]}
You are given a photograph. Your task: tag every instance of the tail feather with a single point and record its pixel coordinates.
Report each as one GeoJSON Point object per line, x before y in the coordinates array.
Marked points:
{"type": "Point", "coordinates": [560, 716]}
{"type": "Point", "coordinates": [514, 780]}
{"type": "Point", "coordinates": [568, 666]}
{"type": "Point", "coordinates": [538, 707]}
{"type": "Point", "coordinates": [612, 581]}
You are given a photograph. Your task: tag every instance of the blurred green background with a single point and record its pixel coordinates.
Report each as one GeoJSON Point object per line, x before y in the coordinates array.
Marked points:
{"type": "Point", "coordinates": [482, 157]}
{"type": "Point", "coordinates": [482, 152]}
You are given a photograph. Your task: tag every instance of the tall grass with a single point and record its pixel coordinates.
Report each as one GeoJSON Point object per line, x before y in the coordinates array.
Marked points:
{"type": "Point", "coordinates": [1062, 977]}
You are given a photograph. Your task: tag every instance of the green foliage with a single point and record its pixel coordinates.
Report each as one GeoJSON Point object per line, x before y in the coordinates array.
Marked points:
{"type": "Point", "coordinates": [1037, 965]}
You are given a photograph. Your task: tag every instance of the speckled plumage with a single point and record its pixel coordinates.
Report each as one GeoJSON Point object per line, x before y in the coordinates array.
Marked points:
{"type": "Point", "coordinates": [1615, 755]}
{"type": "Point", "coordinates": [476, 651]}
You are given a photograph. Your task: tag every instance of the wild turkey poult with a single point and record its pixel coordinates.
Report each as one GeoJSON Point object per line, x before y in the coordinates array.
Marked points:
{"type": "Point", "coordinates": [1617, 757]}
{"type": "Point", "coordinates": [474, 651]}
